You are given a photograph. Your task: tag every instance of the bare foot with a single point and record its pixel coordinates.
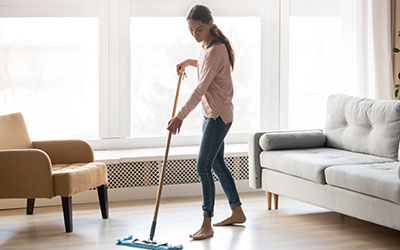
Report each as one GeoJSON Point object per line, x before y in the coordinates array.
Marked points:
{"type": "Point", "coordinates": [205, 231]}
{"type": "Point", "coordinates": [237, 217]}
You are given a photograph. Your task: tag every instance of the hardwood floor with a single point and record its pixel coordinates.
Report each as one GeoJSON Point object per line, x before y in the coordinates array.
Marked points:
{"type": "Point", "coordinates": [295, 225]}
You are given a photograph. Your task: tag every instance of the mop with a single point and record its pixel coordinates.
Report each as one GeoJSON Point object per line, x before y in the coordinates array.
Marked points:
{"type": "Point", "coordinates": [150, 243]}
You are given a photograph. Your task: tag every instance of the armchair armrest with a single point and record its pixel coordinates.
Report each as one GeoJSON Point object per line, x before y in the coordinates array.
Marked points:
{"type": "Point", "coordinates": [66, 151]}
{"type": "Point", "coordinates": [25, 173]}
{"type": "Point", "coordinates": [292, 139]}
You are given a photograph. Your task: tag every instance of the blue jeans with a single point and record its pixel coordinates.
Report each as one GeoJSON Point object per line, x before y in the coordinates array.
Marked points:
{"type": "Point", "coordinates": [211, 156]}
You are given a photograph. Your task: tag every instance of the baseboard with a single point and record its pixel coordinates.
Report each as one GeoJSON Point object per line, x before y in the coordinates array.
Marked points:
{"type": "Point", "coordinates": [122, 194]}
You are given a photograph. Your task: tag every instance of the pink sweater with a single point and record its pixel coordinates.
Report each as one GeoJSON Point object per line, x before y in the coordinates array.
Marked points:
{"type": "Point", "coordinates": [215, 88]}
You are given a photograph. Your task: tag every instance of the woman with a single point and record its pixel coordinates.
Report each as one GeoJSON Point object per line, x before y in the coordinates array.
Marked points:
{"type": "Point", "coordinates": [215, 91]}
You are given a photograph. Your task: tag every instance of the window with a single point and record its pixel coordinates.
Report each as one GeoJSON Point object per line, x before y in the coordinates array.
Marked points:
{"type": "Point", "coordinates": [316, 61]}
{"type": "Point", "coordinates": [159, 43]}
{"type": "Point", "coordinates": [49, 72]}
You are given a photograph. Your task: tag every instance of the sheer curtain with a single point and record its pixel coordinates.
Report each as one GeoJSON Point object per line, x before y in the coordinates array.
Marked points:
{"type": "Point", "coordinates": [395, 23]}
{"type": "Point", "coordinates": [369, 27]}
{"type": "Point", "coordinates": [332, 47]}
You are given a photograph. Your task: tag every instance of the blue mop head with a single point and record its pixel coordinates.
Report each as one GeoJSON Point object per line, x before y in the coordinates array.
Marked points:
{"type": "Point", "coordinates": [146, 244]}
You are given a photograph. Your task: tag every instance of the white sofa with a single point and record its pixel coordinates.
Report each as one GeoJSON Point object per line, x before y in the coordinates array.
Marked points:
{"type": "Point", "coordinates": [351, 166]}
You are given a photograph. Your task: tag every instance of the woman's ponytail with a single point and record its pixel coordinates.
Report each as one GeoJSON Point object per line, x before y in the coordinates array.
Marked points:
{"type": "Point", "coordinates": [220, 37]}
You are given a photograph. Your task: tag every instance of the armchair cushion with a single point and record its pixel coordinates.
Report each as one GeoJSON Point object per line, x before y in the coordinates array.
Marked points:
{"type": "Point", "coordinates": [292, 139]}
{"type": "Point", "coordinates": [13, 132]}
{"type": "Point", "coordinates": [70, 179]}
{"type": "Point", "coordinates": [25, 173]}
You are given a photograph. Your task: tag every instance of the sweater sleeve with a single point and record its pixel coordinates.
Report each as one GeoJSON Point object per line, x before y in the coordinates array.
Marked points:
{"type": "Point", "coordinates": [207, 75]}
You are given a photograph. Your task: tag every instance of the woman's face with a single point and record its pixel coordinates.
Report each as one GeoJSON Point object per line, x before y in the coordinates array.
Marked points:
{"type": "Point", "coordinates": [199, 30]}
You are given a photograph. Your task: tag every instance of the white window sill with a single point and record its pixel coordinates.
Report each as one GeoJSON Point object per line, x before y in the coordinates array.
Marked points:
{"type": "Point", "coordinates": [181, 152]}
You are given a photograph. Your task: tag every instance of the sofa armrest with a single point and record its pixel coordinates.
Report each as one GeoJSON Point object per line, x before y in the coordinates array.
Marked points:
{"type": "Point", "coordinates": [66, 151]}
{"type": "Point", "coordinates": [279, 139]}
{"type": "Point", "coordinates": [25, 173]}
{"type": "Point", "coordinates": [398, 171]}
{"type": "Point", "coordinates": [254, 160]}
{"type": "Point", "coordinates": [276, 140]}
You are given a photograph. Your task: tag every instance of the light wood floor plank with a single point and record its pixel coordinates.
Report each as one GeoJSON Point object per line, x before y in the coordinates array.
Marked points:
{"type": "Point", "coordinates": [295, 225]}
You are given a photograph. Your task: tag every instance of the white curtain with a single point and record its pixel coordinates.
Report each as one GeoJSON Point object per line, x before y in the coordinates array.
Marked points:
{"type": "Point", "coordinates": [371, 51]}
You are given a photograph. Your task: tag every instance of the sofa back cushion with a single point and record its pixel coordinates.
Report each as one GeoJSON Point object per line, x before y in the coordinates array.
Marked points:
{"type": "Point", "coordinates": [363, 125]}
{"type": "Point", "coordinates": [13, 132]}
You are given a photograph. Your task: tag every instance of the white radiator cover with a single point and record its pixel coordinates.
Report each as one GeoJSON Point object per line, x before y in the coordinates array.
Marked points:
{"type": "Point", "coordinates": [179, 171]}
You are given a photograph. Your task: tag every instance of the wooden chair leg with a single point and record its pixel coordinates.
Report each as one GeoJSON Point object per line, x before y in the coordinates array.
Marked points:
{"type": "Point", "coordinates": [103, 200]}
{"type": "Point", "coordinates": [269, 196]}
{"type": "Point", "coordinates": [30, 204]}
{"type": "Point", "coordinates": [67, 210]}
{"type": "Point", "coordinates": [276, 197]}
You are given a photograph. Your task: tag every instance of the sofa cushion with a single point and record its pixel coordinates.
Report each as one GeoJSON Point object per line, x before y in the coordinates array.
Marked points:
{"type": "Point", "coordinates": [292, 139]}
{"type": "Point", "coordinates": [363, 125]}
{"type": "Point", "coordinates": [379, 180]}
{"type": "Point", "coordinates": [311, 163]}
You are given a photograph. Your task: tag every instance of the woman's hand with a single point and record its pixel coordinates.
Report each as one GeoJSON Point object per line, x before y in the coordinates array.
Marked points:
{"type": "Point", "coordinates": [180, 67]}
{"type": "Point", "coordinates": [174, 125]}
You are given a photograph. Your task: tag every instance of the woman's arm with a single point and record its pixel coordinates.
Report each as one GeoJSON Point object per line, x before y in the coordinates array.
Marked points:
{"type": "Point", "coordinates": [209, 69]}
{"type": "Point", "coordinates": [192, 62]}
{"type": "Point", "coordinates": [180, 67]}
{"type": "Point", "coordinates": [211, 64]}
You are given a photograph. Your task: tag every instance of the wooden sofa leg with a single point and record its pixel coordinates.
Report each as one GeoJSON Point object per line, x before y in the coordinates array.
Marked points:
{"type": "Point", "coordinates": [269, 196]}
{"type": "Point", "coordinates": [67, 210]}
{"type": "Point", "coordinates": [30, 204]}
{"type": "Point", "coordinates": [103, 200]}
{"type": "Point", "coordinates": [276, 197]}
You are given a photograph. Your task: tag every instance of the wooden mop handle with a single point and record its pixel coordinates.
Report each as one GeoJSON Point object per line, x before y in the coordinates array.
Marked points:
{"type": "Point", "coordinates": [177, 94]}
{"type": "Point", "coordinates": [160, 185]}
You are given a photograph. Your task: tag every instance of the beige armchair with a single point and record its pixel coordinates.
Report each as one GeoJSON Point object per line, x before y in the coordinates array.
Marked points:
{"type": "Point", "coordinates": [44, 169]}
